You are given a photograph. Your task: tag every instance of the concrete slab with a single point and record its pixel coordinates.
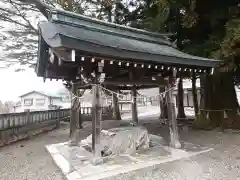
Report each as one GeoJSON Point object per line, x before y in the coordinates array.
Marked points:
{"type": "Point", "coordinates": [75, 162]}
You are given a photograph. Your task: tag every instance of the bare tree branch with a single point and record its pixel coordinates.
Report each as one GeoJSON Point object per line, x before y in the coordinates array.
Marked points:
{"type": "Point", "coordinates": [8, 19]}
{"type": "Point", "coordinates": [50, 2]}
{"type": "Point", "coordinates": [41, 6]}
{"type": "Point", "coordinates": [20, 42]}
{"type": "Point", "coordinates": [24, 17]}
{"type": "Point", "coordinates": [20, 45]}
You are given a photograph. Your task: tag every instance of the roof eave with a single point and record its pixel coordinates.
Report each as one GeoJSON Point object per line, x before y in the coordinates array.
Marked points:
{"type": "Point", "coordinates": [127, 55]}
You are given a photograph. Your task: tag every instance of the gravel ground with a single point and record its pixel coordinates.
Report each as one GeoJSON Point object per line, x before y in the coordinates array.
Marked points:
{"type": "Point", "coordinates": [28, 160]}
{"type": "Point", "coordinates": [223, 163]}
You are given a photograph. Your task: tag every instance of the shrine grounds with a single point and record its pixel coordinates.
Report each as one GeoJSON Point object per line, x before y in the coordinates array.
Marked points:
{"type": "Point", "coordinates": [29, 160]}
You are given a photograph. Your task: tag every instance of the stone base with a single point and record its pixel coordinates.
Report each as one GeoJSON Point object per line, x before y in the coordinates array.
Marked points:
{"type": "Point", "coordinates": [74, 140]}
{"type": "Point", "coordinates": [76, 162]}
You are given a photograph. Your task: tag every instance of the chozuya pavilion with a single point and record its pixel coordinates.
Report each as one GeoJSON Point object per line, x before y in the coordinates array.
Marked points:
{"type": "Point", "coordinates": [86, 51]}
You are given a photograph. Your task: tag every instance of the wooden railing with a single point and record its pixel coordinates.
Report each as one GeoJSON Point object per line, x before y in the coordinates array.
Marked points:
{"type": "Point", "coordinates": [16, 126]}
{"type": "Point", "coordinates": [86, 110]}
{"type": "Point", "coordinates": [86, 113]}
{"type": "Point", "coordinates": [14, 120]}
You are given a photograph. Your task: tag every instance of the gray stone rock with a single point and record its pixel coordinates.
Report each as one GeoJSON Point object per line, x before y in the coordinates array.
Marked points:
{"type": "Point", "coordinates": [156, 140]}
{"type": "Point", "coordinates": [121, 140]}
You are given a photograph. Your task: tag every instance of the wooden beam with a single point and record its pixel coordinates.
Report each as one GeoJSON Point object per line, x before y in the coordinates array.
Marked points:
{"type": "Point", "coordinates": [131, 82]}
{"type": "Point", "coordinates": [66, 56]}
{"type": "Point", "coordinates": [82, 85]}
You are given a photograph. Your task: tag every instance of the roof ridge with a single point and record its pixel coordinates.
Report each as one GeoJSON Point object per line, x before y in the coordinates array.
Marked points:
{"type": "Point", "coordinates": [54, 12]}
{"type": "Point", "coordinates": [40, 92]}
{"type": "Point", "coordinates": [109, 32]}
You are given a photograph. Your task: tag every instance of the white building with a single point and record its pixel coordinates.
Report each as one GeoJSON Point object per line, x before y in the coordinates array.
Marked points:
{"type": "Point", "coordinates": [38, 101]}
{"type": "Point", "coordinates": [187, 93]}
{"type": "Point", "coordinates": [86, 99]}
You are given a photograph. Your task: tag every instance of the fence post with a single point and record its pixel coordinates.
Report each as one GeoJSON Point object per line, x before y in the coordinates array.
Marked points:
{"type": "Point", "coordinates": [29, 133]}
{"type": "Point", "coordinates": [3, 130]}
{"type": "Point", "coordinates": [28, 117]}
{"type": "Point", "coordinates": [3, 137]}
{"type": "Point", "coordinates": [58, 118]}
{"type": "Point", "coordinates": [48, 115]}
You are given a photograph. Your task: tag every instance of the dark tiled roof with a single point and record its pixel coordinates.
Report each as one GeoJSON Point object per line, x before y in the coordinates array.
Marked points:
{"type": "Point", "coordinates": [94, 37]}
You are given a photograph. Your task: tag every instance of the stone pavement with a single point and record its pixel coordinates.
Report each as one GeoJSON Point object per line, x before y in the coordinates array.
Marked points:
{"type": "Point", "coordinates": [75, 162]}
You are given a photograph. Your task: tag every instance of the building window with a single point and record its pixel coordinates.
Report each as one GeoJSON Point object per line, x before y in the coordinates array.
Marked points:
{"type": "Point", "coordinates": [40, 102]}
{"type": "Point", "coordinates": [28, 102]}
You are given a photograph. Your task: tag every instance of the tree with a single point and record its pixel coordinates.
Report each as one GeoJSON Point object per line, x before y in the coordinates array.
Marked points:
{"type": "Point", "coordinates": [166, 16]}
{"type": "Point", "coordinates": [207, 29]}
{"type": "Point", "coordinates": [19, 34]}
{"type": "Point", "coordinates": [6, 107]}
{"type": "Point", "coordinates": [19, 19]}
{"type": "Point", "coordinates": [194, 94]}
{"type": "Point", "coordinates": [180, 105]}
{"type": "Point", "coordinates": [219, 98]}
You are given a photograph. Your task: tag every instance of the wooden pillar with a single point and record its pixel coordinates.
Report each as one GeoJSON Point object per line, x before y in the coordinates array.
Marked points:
{"type": "Point", "coordinates": [173, 128]}
{"type": "Point", "coordinates": [180, 104]}
{"type": "Point", "coordinates": [73, 117]}
{"type": "Point", "coordinates": [195, 94]}
{"type": "Point", "coordinates": [134, 105]}
{"type": "Point", "coordinates": [79, 117]}
{"type": "Point", "coordinates": [96, 121]}
{"type": "Point", "coordinates": [162, 104]}
{"type": "Point", "coordinates": [134, 99]}
{"type": "Point", "coordinates": [116, 110]}
{"type": "Point", "coordinates": [58, 118]}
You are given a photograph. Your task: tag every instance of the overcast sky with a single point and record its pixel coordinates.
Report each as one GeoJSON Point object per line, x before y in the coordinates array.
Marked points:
{"type": "Point", "coordinates": [14, 84]}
